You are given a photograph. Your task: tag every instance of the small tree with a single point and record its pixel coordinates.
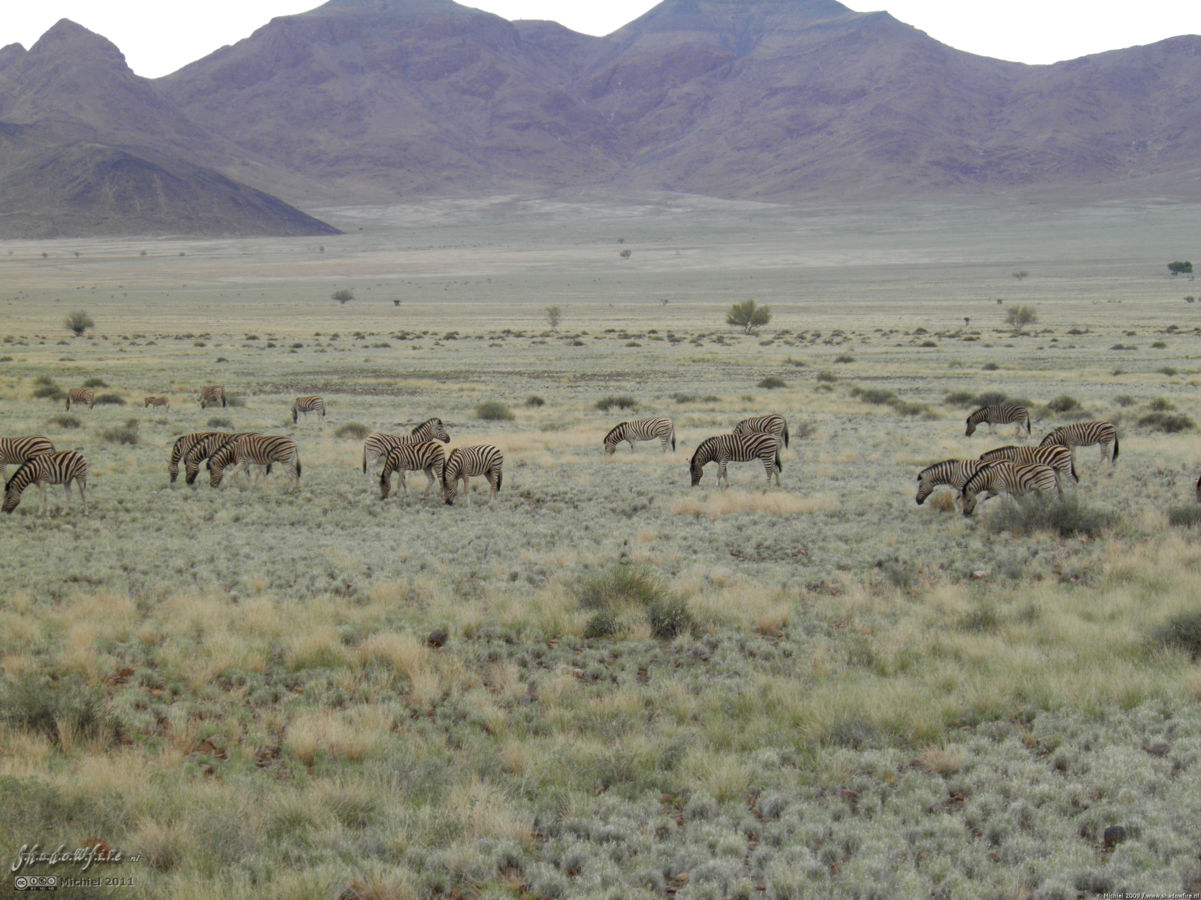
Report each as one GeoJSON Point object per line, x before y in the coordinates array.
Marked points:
{"type": "Point", "coordinates": [79, 322]}
{"type": "Point", "coordinates": [748, 316]}
{"type": "Point", "coordinates": [1180, 268]}
{"type": "Point", "coordinates": [342, 295]}
{"type": "Point", "coordinates": [1020, 316]}
{"type": "Point", "coordinates": [554, 315]}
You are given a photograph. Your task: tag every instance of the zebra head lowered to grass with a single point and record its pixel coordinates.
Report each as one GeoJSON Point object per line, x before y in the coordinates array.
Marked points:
{"type": "Point", "coordinates": [18, 450]}
{"type": "Point", "coordinates": [658, 428]}
{"type": "Point", "coordinates": [481, 459]}
{"type": "Point", "coordinates": [725, 448]}
{"type": "Point", "coordinates": [306, 405]}
{"type": "Point", "coordinates": [952, 472]}
{"type": "Point", "coordinates": [426, 456]}
{"type": "Point", "coordinates": [1004, 414]}
{"type": "Point", "coordinates": [212, 393]}
{"type": "Point", "coordinates": [180, 448]}
{"type": "Point", "coordinates": [1084, 434]}
{"type": "Point", "coordinates": [48, 468]}
{"type": "Point", "coordinates": [1007, 478]}
{"type": "Point", "coordinates": [81, 395]}
{"type": "Point", "coordinates": [771, 423]}
{"type": "Point", "coordinates": [256, 449]}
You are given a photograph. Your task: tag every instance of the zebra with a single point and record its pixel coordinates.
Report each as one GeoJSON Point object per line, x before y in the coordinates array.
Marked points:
{"type": "Point", "coordinates": [481, 459]}
{"type": "Point", "coordinates": [377, 445]}
{"type": "Point", "coordinates": [81, 395]}
{"type": "Point", "coordinates": [205, 448]}
{"type": "Point", "coordinates": [306, 405]}
{"type": "Point", "coordinates": [259, 450]}
{"type": "Point", "coordinates": [770, 424]}
{"type": "Point", "coordinates": [1007, 477]}
{"type": "Point", "coordinates": [659, 427]}
{"type": "Point", "coordinates": [1084, 434]}
{"type": "Point", "coordinates": [179, 450]}
{"type": "Point", "coordinates": [22, 449]}
{"type": "Point", "coordinates": [724, 448]}
{"type": "Point", "coordinates": [211, 394]}
{"type": "Point", "coordinates": [999, 415]}
{"type": "Point", "coordinates": [427, 456]}
{"type": "Point", "coordinates": [156, 401]}
{"type": "Point", "coordinates": [953, 472]}
{"type": "Point", "coordinates": [1056, 456]}
{"type": "Point", "coordinates": [48, 468]}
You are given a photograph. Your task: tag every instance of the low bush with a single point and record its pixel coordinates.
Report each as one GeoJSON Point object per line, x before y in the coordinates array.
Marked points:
{"type": "Point", "coordinates": [493, 411]}
{"type": "Point", "coordinates": [1168, 423]}
{"type": "Point", "coordinates": [605, 404]}
{"type": "Point", "coordinates": [1185, 516]}
{"type": "Point", "coordinates": [619, 585]}
{"type": "Point", "coordinates": [52, 706]}
{"type": "Point", "coordinates": [123, 434]}
{"type": "Point", "coordinates": [95, 383]}
{"type": "Point", "coordinates": [534, 400]}
{"type": "Point", "coordinates": [355, 430]}
{"type": "Point", "coordinates": [1181, 632]}
{"type": "Point", "coordinates": [991, 398]}
{"type": "Point", "coordinates": [878, 396]}
{"type": "Point", "coordinates": [109, 400]}
{"type": "Point", "coordinates": [960, 398]}
{"type": "Point", "coordinates": [49, 392]}
{"type": "Point", "coordinates": [771, 382]}
{"type": "Point", "coordinates": [669, 618]}
{"type": "Point", "coordinates": [219, 422]}
{"type": "Point", "coordinates": [65, 421]}
{"type": "Point", "coordinates": [1063, 403]}
{"type": "Point", "coordinates": [1067, 517]}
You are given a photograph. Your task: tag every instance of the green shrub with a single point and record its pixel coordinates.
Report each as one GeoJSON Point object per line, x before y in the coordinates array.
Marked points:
{"type": "Point", "coordinates": [991, 398]}
{"type": "Point", "coordinates": [354, 430]}
{"type": "Point", "coordinates": [534, 400]}
{"type": "Point", "coordinates": [52, 704]}
{"type": "Point", "coordinates": [624, 402]}
{"type": "Point", "coordinates": [65, 421]}
{"type": "Point", "coordinates": [827, 377]}
{"type": "Point", "coordinates": [1181, 632]}
{"type": "Point", "coordinates": [1066, 517]}
{"type": "Point", "coordinates": [49, 392]}
{"type": "Point", "coordinates": [109, 400]}
{"type": "Point", "coordinates": [844, 358]}
{"type": "Point", "coordinates": [95, 383]}
{"type": "Point", "coordinates": [1063, 403]}
{"type": "Point", "coordinates": [1186, 516]}
{"type": "Point", "coordinates": [1168, 423]}
{"type": "Point", "coordinates": [669, 617]}
{"type": "Point", "coordinates": [493, 411]}
{"type": "Point", "coordinates": [771, 382]}
{"type": "Point", "coordinates": [879, 396]}
{"type": "Point", "coordinates": [1124, 400]}
{"type": "Point", "coordinates": [1167, 370]}
{"type": "Point", "coordinates": [219, 422]}
{"type": "Point", "coordinates": [960, 398]}
{"type": "Point", "coordinates": [601, 624]}
{"type": "Point", "coordinates": [990, 367]}
{"type": "Point", "coordinates": [124, 434]}
{"type": "Point", "coordinates": [619, 585]}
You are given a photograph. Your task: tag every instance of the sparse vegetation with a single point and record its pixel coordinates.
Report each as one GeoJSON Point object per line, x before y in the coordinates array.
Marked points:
{"type": "Point", "coordinates": [78, 322]}
{"type": "Point", "coordinates": [748, 316]}
{"type": "Point", "coordinates": [1018, 317]}
{"type": "Point", "coordinates": [493, 411]}
{"type": "Point", "coordinates": [554, 315]}
{"type": "Point", "coordinates": [606, 404]}
{"type": "Point", "coordinates": [353, 431]}
{"type": "Point", "coordinates": [342, 295]}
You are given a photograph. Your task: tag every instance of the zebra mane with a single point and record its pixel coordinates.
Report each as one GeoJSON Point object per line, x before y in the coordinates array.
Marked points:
{"type": "Point", "coordinates": [613, 431]}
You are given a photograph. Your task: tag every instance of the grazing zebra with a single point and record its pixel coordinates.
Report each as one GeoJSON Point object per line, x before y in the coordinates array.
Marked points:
{"type": "Point", "coordinates": [1084, 434]}
{"type": "Point", "coordinates": [481, 459]}
{"type": "Point", "coordinates": [211, 394]}
{"type": "Point", "coordinates": [724, 448]}
{"type": "Point", "coordinates": [81, 395]}
{"type": "Point", "coordinates": [48, 468]}
{"type": "Point", "coordinates": [204, 449]}
{"type": "Point", "coordinates": [308, 405]}
{"type": "Point", "coordinates": [156, 401]}
{"type": "Point", "coordinates": [953, 472]}
{"type": "Point", "coordinates": [22, 449]}
{"type": "Point", "coordinates": [179, 450]}
{"type": "Point", "coordinates": [1009, 478]}
{"type": "Point", "coordinates": [658, 428]}
{"type": "Point", "coordinates": [377, 445]}
{"type": "Point", "coordinates": [257, 449]}
{"type": "Point", "coordinates": [999, 415]}
{"type": "Point", "coordinates": [1056, 456]}
{"type": "Point", "coordinates": [770, 424]}
{"type": "Point", "coordinates": [427, 456]}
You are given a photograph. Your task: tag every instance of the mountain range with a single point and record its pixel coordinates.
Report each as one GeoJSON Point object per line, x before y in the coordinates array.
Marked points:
{"type": "Point", "coordinates": [368, 101]}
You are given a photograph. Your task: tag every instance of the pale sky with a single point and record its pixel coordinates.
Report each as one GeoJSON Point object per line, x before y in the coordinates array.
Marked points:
{"type": "Point", "coordinates": [159, 37]}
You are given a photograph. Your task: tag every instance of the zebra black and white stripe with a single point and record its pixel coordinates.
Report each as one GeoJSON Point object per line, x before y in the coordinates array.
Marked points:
{"type": "Point", "coordinates": [481, 459]}
{"type": "Point", "coordinates": [952, 472]}
{"type": "Point", "coordinates": [1057, 456]}
{"type": "Point", "coordinates": [212, 394]}
{"type": "Point", "coordinates": [427, 456]}
{"type": "Point", "coordinates": [48, 468]}
{"type": "Point", "coordinates": [18, 450]}
{"type": "Point", "coordinates": [156, 401]}
{"type": "Point", "coordinates": [81, 395]}
{"type": "Point", "coordinates": [255, 449]}
{"type": "Point", "coordinates": [769, 424]}
{"type": "Point", "coordinates": [1005, 414]}
{"type": "Point", "coordinates": [1007, 478]}
{"type": "Point", "coordinates": [179, 449]}
{"type": "Point", "coordinates": [1085, 434]}
{"type": "Point", "coordinates": [306, 405]}
{"type": "Point", "coordinates": [658, 428]}
{"type": "Point", "coordinates": [377, 445]}
{"type": "Point", "coordinates": [205, 449]}
{"type": "Point", "coordinates": [726, 448]}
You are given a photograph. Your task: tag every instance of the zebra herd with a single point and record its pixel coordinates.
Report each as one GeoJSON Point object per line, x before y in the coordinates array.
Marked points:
{"type": "Point", "coordinates": [1018, 470]}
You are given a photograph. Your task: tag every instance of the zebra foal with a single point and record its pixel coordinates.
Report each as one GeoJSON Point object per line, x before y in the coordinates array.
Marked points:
{"type": "Point", "coordinates": [481, 459]}
{"type": "Point", "coordinates": [427, 456]}
{"type": "Point", "coordinates": [999, 415]}
{"type": "Point", "coordinates": [81, 395]}
{"type": "Point", "coordinates": [18, 450]}
{"type": "Point", "coordinates": [156, 401]}
{"type": "Point", "coordinates": [1007, 478]}
{"type": "Point", "coordinates": [306, 405]}
{"type": "Point", "coordinates": [48, 468]}
{"type": "Point", "coordinates": [770, 424]}
{"type": "Point", "coordinates": [1085, 434]}
{"type": "Point", "coordinates": [657, 428]}
{"type": "Point", "coordinates": [725, 448]}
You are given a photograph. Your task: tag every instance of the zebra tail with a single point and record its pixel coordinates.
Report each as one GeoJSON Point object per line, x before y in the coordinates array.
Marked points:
{"type": "Point", "coordinates": [1115, 448]}
{"type": "Point", "coordinates": [364, 460]}
{"type": "Point", "coordinates": [785, 434]}
{"type": "Point", "coordinates": [1072, 465]}
{"type": "Point", "coordinates": [500, 477]}
{"type": "Point", "coordinates": [1027, 424]}
{"type": "Point", "coordinates": [673, 439]}
{"type": "Point", "coordinates": [779, 465]}
{"type": "Point", "coordinates": [298, 467]}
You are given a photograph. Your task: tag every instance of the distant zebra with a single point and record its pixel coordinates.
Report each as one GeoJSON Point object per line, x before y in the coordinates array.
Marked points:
{"type": "Point", "coordinates": [769, 424]}
{"type": "Point", "coordinates": [725, 448]}
{"type": "Point", "coordinates": [1057, 456]}
{"type": "Point", "coordinates": [19, 450]}
{"type": "Point", "coordinates": [205, 449]}
{"type": "Point", "coordinates": [427, 456]}
{"type": "Point", "coordinates": [256, 449]}
{"type": "Point", "coordinates": [377, 445]}
{"type": "Point", "coordinates": [182, 445]}
{"type": "Point", "coordinates": [1084, 434]}
{"type": "Point", "coordinates": [952, 472]}
{"type": "Point", "coordinates": [211, 394]}
{"type": "Point", "coordinates": [659, 428]}
{"type": "Point", "coordinates": [156, 401]}
{"type": "Point", "coordinates": [1008, 478]}
{"type": "Point", "coordinates": [308, 405]}
{"type": "Point", "coordinates": [81, 395]}
{"type": "Point", "coordinates": [481, 459]}
{"type": "Point", "coordinates": [48, 468]}
{"type": "Point", "coordinates": [999, 415]}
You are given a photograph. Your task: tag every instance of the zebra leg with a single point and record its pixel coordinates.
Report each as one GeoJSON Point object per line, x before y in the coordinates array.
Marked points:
{"type": "Point", "coordinates": [467, 489]}
{"type": "Point", "coordinates": [43, 507]}
{"type": "Point", "coordinates": [82, 496]}
{"type": "Point", "coordinates": [722, 474]}
{"type": "Point", "coordinates": [493, 487]}
{"type": "Point", "coordinates": [429, 473]}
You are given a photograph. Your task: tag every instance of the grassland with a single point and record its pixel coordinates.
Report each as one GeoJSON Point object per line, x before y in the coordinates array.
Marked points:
{"type": "Point", "coordinates": [634, 688]}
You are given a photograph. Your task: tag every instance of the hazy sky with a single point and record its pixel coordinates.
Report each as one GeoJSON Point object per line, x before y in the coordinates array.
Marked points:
{"type": "Point", "coordinates": [159, 37]}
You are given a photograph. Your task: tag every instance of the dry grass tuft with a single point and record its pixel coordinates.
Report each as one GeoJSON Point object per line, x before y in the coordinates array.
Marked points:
{"type": "Point", "coordinates": [733, 502]}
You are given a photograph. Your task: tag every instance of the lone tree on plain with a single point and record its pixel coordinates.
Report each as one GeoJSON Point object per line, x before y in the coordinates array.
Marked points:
{"type": "Point", "coordinates": [342, 295]}
{"type": "Point", "coordinates": [554, 315]}
{"type": "Point", "coordinates": [748, 316]}
{"type": "Point", "coordinates": [1180, 268]}
{"type": "Point", "coordinates": [1020, 316]}
{"type": "Point", "coordinates": [79, 322]}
